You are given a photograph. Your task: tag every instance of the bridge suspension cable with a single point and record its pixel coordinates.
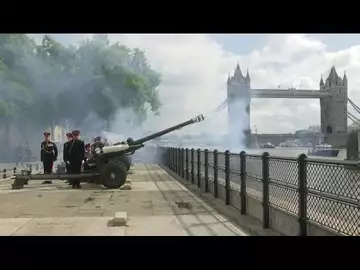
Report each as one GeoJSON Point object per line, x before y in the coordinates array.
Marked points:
{"type": "Point", "coordinates": [354, 119]}
{"type": "Point", "coordinates": [356, 108]}
{"type": "Point", "coordinates": [221, 106]}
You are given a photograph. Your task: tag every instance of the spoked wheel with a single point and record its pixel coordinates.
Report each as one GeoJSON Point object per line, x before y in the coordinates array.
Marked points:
{"type": "Point", "coordinates": [113, 175]}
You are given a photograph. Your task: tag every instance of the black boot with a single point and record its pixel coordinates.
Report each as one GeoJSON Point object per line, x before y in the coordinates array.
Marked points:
{"type": "Point", "coordinates": [46, 182]}
{"type": "Point", "coordinates": [77, 184]}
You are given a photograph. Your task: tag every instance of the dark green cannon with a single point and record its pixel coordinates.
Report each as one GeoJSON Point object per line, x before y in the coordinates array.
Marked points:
{"type": "Point", "coordinates": [108, 165]}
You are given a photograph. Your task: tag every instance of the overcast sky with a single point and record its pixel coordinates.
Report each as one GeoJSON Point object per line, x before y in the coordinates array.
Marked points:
{"type": "Point", "coordinates": [194, 69]}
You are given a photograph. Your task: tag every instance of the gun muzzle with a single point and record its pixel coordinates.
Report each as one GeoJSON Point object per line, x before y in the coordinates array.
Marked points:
{"type": "Point", "coordinates": [198, 118]}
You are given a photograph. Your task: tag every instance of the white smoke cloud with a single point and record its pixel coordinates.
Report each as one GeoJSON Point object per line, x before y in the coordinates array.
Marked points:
{"type": "Point", "coordinates": [195, 68]}
{"type": "Point", "coordinates": [236, 140]}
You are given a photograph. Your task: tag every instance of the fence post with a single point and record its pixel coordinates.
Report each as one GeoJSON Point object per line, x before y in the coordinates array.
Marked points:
{"type": "Point", "coordinates": [265, 182]}
{"type": "Point", "coordinates": [171, 158]}
{"type": "Point", "coordinates": [302, 195]}
{"type": "Point", "coordinates": [4, 173]}
{"type": "Point", "coordinates": [199, 168]}
{"type": "Point", "coordinates": [192, 166]}
{"type": "Point", "coordinates": [182, 163]}
{"type": "Point", "coordinates": [187, 163]}
{"type": "Point", "coordinates": [178, 151]}
{"type": "Point", "coordinates": [216, 179]}
{"type": "Point", "coordinates": [227, 177]}
{"type": "Point", "coordinates": [243, 182]}
{"type": "Point", "coordinates": [177, 160]}
{"type": "Point", "coordinates": [206, 173]}
{"type": "Point", "coordinates": [174, 159]}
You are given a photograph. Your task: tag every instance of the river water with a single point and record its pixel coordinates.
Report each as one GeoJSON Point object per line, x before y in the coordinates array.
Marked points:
{"type": "Point", "coordinates": [278, 151]}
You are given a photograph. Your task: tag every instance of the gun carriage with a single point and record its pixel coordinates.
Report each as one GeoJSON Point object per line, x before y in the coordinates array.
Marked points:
{"type": "Point", "coordinates": [108, 165]}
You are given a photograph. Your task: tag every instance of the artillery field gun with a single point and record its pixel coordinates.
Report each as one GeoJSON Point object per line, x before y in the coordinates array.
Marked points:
{"type": "Point", "coordinates": [108, 166]}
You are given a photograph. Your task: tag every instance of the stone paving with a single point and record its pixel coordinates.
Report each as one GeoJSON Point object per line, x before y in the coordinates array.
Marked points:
{"type": "Point", "coordinates": [157, 205]}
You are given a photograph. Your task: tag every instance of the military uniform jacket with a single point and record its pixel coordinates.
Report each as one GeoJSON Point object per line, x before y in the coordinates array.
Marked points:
{"type": "Point", "coordinates": [76, 152]}
{"type": "Point", "coordinates": [97, 145]}
{"type": "Point", "coordinates": [66, 151]}
{"type": "Point", "coordinates": [48, 151]}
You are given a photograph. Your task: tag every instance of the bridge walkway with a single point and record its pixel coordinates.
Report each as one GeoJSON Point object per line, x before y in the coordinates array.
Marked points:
{"type": "Point", "coordinates": [157, 205]}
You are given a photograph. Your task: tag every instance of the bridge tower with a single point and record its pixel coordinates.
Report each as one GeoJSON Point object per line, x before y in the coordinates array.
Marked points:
{"type": "Point", "coordinates": [334, 109]}
{"type": "Point", "coordinates": [238, 100]}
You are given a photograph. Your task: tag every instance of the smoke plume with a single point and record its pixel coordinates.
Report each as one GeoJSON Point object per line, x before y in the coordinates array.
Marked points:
{"type": "Point", "coordinates": [198, 96]}
{"type": "Point", "coordinates": [238, 124]}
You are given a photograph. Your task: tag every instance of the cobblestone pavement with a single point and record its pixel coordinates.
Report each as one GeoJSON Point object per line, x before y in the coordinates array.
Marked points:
{"type": "Point", "coordinates": [156, 205]}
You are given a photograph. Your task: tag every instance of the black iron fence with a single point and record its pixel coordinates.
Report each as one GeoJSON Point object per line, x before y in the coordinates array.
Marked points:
{"type": "Point", "coordinates": [322, 192]}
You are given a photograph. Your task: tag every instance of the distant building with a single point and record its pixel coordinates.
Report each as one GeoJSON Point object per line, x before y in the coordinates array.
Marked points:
{"type": "Point", "coordinates": [317, 129]}
{"type": "Point", "coordinates": [314, 129]}
{"type": "Point", "coordinates": [309, 130]}
{"type": "Point", "coordinates": [238, 100]}
{"type": "Point", "coordinates": [354, 126]}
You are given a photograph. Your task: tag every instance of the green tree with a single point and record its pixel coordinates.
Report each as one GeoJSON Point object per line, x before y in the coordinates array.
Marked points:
{"type": "Point", "coordinates": [113, 76]}
{"type": "Point", "coordinates": [50, 84]}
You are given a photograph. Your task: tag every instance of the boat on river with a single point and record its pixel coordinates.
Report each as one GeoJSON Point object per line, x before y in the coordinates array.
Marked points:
{"type": "Point", "coordinates": [323, 150]}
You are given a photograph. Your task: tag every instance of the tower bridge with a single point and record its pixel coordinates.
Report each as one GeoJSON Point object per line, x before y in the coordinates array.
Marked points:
{"type": "Point", "coordinates": [332, 94]}
{"type": "Point", "coordinates": [291, 93]}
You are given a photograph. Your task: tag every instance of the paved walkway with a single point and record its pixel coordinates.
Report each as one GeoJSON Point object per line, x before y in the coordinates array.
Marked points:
{"type": "Point", "coordinates": [157, 205]}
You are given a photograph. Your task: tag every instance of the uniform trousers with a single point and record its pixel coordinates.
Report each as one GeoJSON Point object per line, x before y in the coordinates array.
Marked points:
{"type": "Point", "coordinates": [75, 168]}
{"type": "Point", "coordinates": [48, 164]}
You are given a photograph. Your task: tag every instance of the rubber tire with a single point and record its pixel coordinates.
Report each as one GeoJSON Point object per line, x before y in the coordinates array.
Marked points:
{"type": "Point", "coordinates": [126, 160]}
{"type": "Point", "coordinates": [120, 171]}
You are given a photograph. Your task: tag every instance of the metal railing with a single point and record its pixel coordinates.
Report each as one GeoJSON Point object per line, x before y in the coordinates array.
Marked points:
{"type": "Point", "coordinates": [322, 192]}
{"type": "Point", "coordinates": [11, 169]}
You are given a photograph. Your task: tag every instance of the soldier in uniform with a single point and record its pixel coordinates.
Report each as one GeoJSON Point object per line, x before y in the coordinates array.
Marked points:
{"type": "Point", "coordinates": [88, 155]}
{"type": "Point", "coordinates": [48, 153]}
{"type": "Point", "coordinates": [97, 144]}
{"type": "Point", "coordinates": [87, 149]}
{"type": "Point", "coordinates": [76, 156]}
{"type": "Point", "coordinates": [69, 137]}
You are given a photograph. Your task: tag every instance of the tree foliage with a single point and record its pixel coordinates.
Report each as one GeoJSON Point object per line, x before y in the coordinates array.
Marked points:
{"type": "Point", "coordinates": [47, 84]}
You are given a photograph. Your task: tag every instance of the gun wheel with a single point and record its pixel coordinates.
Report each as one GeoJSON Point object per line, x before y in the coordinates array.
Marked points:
{"type": "Point", "coordinates": [113, 175]}
{"type": "Point", "coordinates": [126, 160]}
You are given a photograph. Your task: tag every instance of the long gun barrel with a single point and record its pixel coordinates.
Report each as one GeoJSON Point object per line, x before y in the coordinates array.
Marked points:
{"type": "Point", "coordinates": [196, 119]}
{"type": "Point", "coordinates": [100, 161]}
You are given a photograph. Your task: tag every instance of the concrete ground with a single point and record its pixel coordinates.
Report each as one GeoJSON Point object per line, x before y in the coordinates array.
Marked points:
{"type": "Point", "coordinates": [157, 205]}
